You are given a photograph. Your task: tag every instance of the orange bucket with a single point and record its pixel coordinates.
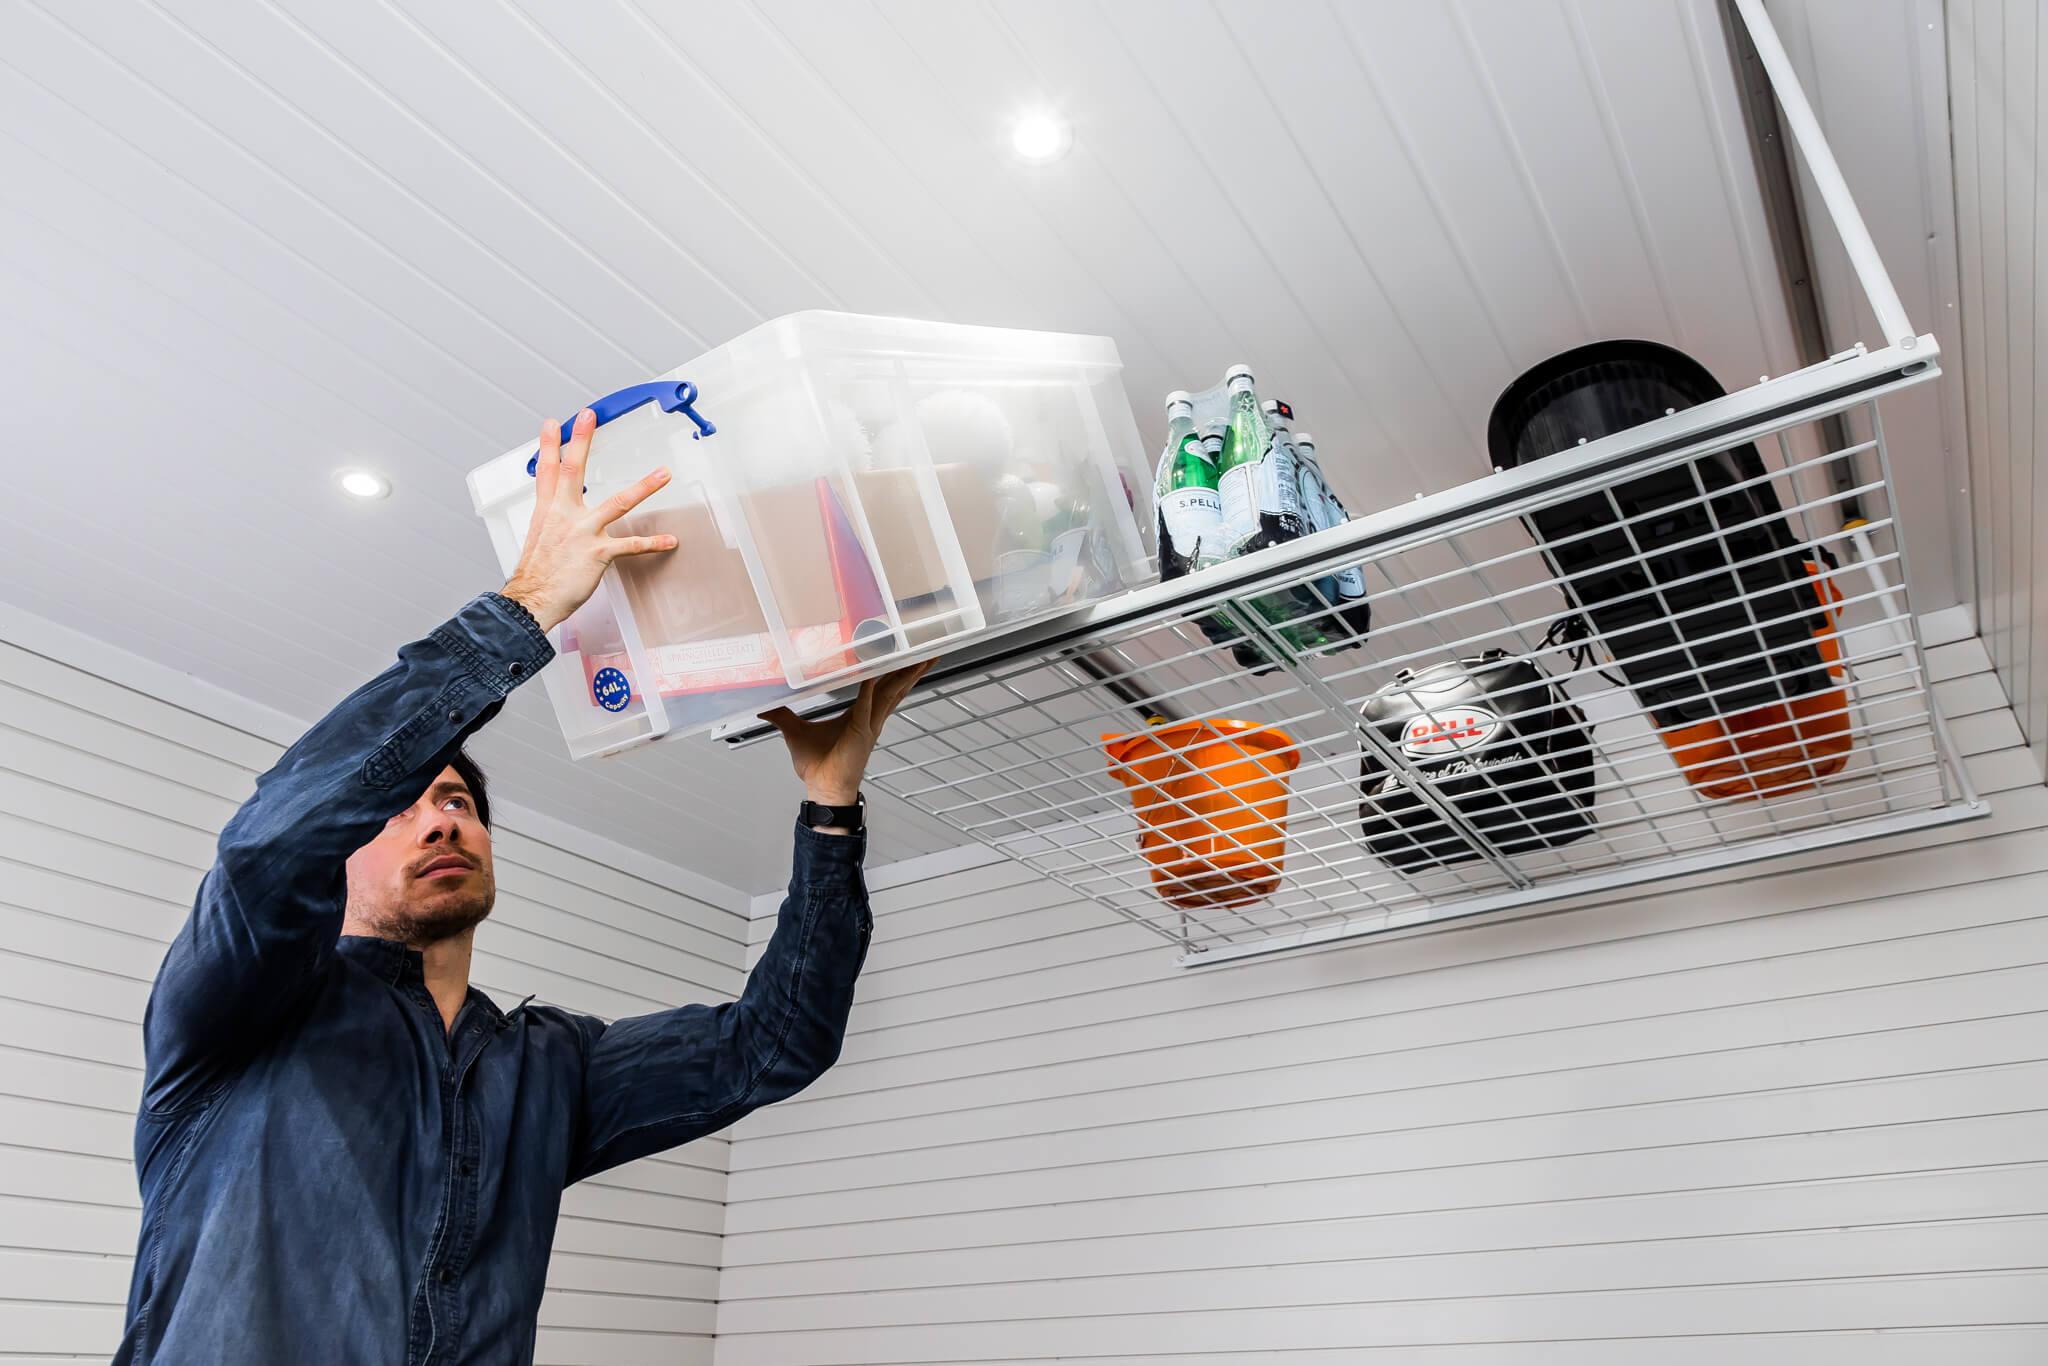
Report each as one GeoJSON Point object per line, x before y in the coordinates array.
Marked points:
{"type": "Point", "coordinates": [1213, 796]}
{"type": "Point", "coordinates": [1777, 748]}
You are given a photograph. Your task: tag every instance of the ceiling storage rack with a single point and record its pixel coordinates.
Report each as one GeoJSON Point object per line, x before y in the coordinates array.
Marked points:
{"type": "Point", "coordinates": [1007, 742]}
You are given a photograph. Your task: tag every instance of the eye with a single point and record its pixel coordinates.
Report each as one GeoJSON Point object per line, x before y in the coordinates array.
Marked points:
{"type": "Point", "coordinates": [455, 804]}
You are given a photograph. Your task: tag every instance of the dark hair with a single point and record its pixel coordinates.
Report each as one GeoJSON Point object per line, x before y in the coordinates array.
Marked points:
{"type": "Point", "coordinates": [466, 769]}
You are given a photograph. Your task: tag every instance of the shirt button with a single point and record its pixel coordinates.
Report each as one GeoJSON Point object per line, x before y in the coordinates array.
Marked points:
{"type": "Point", "coordinates": [515, 668]}
{"type": "Point", "coordinates": [466, 1168]}
{"type": "Point", "coordinates": [447, 1275]}
{"type": "Point", "coordinates": [455, 715]}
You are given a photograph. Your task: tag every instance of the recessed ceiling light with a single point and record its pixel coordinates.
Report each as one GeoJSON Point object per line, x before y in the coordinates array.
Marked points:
{"type": "Point", "coordinates": [1041, 137]}
{"type": "Point", "coordinates": [363, 484]}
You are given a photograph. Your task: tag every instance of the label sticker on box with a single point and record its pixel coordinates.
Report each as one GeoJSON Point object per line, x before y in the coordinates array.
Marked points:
{"type": "Point", "coordinates": [611, 690]}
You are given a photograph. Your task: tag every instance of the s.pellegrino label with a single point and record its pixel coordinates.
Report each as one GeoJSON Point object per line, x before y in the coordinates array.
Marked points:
{"type": "Point", "coordinates": [1194, 519]}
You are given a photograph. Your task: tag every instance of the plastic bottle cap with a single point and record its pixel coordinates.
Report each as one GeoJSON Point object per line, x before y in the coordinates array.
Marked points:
{"type": "Point", "coordinates": [1236, 372]}
{"type": "Point", "coordinates": [1304, 439]}
{"type": "Point", "coordinates": [1179, 396]}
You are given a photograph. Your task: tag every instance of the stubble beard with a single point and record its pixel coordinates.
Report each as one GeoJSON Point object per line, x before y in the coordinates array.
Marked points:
{"type": "Point", "coordinates": [437, 916]}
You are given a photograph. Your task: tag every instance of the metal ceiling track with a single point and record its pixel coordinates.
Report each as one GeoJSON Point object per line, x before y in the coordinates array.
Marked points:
{"type": "Point", "coordinates": [1013, 738]}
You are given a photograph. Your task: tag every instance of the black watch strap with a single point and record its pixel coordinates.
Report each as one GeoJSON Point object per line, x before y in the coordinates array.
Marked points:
{"type": "Point", "coordinates": [816, 814]}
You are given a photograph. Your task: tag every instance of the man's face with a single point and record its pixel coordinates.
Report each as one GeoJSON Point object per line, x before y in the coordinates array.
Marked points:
{"type": "Point", "coordinates": [427, 876]}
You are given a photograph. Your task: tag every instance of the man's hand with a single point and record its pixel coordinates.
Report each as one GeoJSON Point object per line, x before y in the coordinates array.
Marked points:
{"type": "Point", "coordinates": [567, 546]}
{"type": "Point", "coordinates": [830, 756]}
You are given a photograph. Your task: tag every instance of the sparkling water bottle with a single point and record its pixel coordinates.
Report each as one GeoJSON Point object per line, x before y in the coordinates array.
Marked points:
{"type": "Point", "coordinates": [1261, 494]}
{"type": "Point", "coordinates": [1352, 608]}
{"type": "Point", "coordinates": [1308, 482]}
{"type": "Point", "coordinates": [1191, 528]}
{"type": "Point", "coordinates": [1262, 507]}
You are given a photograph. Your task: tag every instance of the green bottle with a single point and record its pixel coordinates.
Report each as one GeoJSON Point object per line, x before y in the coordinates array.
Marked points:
{"type": "Point", "coordinates": [1262, 507]}
{"type": "Point", "coordinates": [1260, 489]}
{"type": "Point", "coordinates": [1191, 530]}
{"type": "Point", "coordinates": [1244, 441]}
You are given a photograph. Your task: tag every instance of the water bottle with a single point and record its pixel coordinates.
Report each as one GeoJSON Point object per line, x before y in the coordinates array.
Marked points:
{"type": "Point", "coordinates": [1262, 507]}
{"type": "Point", "coordinates": [1191, 528]}
{"type": "Point", "coordinates": [1352, 608]}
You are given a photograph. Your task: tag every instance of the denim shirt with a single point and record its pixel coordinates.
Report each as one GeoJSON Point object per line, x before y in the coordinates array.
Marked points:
{"type": "Point", "coordinates": [329, 1176]}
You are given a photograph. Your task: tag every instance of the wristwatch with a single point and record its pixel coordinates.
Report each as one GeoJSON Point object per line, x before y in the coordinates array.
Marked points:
{"type": "Point", "coordinates": [817, 814]}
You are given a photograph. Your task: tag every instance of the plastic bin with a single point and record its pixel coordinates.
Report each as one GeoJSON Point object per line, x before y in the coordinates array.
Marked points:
{"type": "Point", "coordinates": [1213, 797]}
{"type": "Point", "coordinates": [848, 491]}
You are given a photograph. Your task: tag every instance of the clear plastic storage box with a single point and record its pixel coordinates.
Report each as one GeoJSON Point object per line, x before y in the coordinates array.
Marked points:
{"type": "Point", "coordinates": [849, 492]}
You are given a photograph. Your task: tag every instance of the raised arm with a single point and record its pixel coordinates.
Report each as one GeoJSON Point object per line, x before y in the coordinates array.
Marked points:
{"type": "Point", "coordinates": [655, 1081]}
{"type": "Point", "coordinates": [264, 925]}
{"type": "Point", "coordinates": [265, 922]}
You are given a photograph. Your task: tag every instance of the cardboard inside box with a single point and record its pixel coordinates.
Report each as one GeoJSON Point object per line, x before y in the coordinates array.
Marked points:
{"type": "Point", "coordinates": [700, 596]}
{"type": "Point", "coordinates": [701, 590]}
{"type": "Point", "coordinates": [903, 533]}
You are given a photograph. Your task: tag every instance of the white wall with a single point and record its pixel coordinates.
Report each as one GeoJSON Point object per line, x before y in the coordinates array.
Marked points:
{"type": "Point", "coordinates": [110, 798]}
{"type": "Point", "coordinates": [1997, 59]}
{"type": "Point", "coordinates": [1748, 1119]}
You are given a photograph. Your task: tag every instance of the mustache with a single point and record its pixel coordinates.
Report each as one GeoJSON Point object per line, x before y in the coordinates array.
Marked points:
{"type": "Point", "coordinates": [444, 856]}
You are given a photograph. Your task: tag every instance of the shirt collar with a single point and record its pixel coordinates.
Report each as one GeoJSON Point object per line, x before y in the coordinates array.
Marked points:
{"type": "Point", "coordinates": [489, 1007]}
{"type": "Point", "coordinates": [393, 963]}
{"type": "Point", "coordinates": [386, 959]}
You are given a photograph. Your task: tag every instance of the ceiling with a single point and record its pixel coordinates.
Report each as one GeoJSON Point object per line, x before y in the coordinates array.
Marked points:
{"type": "Point", "coordinates": [249, 244]}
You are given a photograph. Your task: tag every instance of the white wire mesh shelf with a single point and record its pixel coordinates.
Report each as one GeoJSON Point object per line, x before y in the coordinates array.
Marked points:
{"type": "Point", "coordinates": [1013, 754]}
{"type": "Point", "coordinates": [1718, 714]}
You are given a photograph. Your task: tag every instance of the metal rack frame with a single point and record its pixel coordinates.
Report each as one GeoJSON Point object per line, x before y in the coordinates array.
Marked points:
{"type": "Point", "coordinates": [1003, 740]}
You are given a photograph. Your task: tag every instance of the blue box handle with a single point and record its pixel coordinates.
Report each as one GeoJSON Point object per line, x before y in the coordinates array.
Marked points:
{"type": "Point", "coordinates": [674, 396]}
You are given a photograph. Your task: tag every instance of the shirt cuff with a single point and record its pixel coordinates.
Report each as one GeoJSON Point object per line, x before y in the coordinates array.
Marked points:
{"type": "Point", "coordinates": [828, 860]}
{"type": "Point", "coordinates": [498, 642]}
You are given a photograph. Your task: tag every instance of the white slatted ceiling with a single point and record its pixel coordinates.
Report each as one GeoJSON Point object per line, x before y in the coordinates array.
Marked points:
{"type": "Point", "coordinates": [251, 245]}
{"type": "Point", "coordinates": [109, 803]}
{"type": "Point", "coordinates": [1753, 1118]}
{"type": "Point", "coordinates": [1998, 52]}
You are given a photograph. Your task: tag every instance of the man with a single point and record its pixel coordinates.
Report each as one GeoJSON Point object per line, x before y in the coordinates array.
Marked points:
{"type": "Point", "coordinates": [347, 1153]}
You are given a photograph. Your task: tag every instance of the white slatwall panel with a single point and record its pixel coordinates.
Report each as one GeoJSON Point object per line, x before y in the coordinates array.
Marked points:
{"type": "Point", "coordinates": [1997, 55]}
{"type": "Point", "coordinates": [109, 803]}
{"type": "Point", "coordinates": [1753, 1118]}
